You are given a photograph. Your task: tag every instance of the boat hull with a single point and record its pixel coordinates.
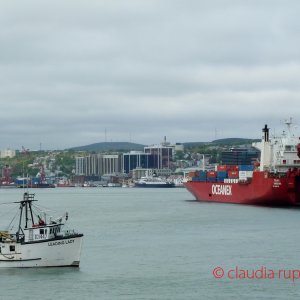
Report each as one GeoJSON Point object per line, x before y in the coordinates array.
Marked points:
{"type": "Point", "coordinates": [63, 252]}
{"type": "Point", "coordinates": [154, 185]}
{"type": "Point", "coordinates": [263, 189]}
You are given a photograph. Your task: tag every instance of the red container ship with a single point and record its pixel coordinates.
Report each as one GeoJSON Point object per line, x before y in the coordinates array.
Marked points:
{"type": "Point", "coordinates": [275, 181]}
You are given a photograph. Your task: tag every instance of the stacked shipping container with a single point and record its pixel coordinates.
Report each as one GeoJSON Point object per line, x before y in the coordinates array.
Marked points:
{"type": "Point", "coordinates": [224, 173]}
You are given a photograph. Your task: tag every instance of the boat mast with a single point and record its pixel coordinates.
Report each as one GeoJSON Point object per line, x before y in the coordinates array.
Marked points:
{"type": "Point", "coordinates": [26, 205]}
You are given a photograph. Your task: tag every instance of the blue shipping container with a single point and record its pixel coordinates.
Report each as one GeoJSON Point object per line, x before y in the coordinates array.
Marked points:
{"type": "Point", "coordinates": [246, 167]}
{"type": "Point", "coordinates": [211, 179]}
{"type": "Point", "coordinates": [222, 174]}
{"type": "Point", "coordinates": [198, 179]}
{"type": "Point", "coordinates": [35, 180]}
{"type": "Point", "coordinates": [21, 181]}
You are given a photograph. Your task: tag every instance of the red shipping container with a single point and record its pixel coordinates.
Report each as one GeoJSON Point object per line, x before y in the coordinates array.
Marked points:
{"type": "Point", "coordinates": [211, 174]}
{"type": "Point", "coordinates": [193, 174]}
{"type": "Point", "coordinates": [222, 168]}
{"type": "Point", "coordinates": [233, 174]}
{"type": "Point", "coordinates": [233, 168]}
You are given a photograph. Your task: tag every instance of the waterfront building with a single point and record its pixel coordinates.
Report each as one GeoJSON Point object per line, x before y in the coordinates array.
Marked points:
{"type": "Point", "coordinates": [7, 153]}
{"type": "Point", "coordinates": [109, 164]}
{"type": "Point", "coordinates": [239, 156]}
{"type": "Point", "coordinates": [80, 166]}
{"type": "Point", "coordinates": [163, 154]}
{"type": "Point", "coordinates": [137, 159]}
{"type": "Point", "coordinates": [98, 164]}
{"type": "Point", "coordinates": [156, 157]}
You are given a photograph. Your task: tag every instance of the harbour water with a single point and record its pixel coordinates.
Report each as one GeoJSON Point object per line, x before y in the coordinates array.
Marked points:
{"type": "Point", "coordinates": [161, 244]}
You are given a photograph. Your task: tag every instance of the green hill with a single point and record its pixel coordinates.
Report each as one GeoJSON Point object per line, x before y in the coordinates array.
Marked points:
{"type": "Point", "coordinates": [194, 144]}
{"type": "Point", "coordinates": [126, 146]}
{"type": "Point", "coordinates": [109, 146]}
{"type": "Point", "coordinates": [234, 141]}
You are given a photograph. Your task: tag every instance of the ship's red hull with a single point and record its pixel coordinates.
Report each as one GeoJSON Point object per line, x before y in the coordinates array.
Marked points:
{"type": "Point", "coordinates": [263, 189]}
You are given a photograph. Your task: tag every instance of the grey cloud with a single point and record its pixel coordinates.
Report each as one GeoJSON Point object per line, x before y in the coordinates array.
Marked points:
{"type": "Point", "coordinates": [145, 69]}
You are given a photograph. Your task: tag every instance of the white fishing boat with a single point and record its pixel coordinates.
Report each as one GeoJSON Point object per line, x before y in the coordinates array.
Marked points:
{"type": "Point", "coordinates": [40, 240]}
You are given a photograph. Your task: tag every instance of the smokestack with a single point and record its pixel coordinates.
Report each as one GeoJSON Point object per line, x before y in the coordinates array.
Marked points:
{"type": "Point", "coordinates": [266, 133]}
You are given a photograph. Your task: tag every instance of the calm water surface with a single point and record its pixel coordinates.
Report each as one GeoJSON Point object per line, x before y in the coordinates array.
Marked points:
{"type": "Point", "coordinates": [160, 244]}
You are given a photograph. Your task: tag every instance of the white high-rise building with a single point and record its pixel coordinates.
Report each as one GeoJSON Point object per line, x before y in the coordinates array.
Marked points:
{"type": "Point", "coordinates": [98, 164]}
{"type": "Point", "coordinates": [7, 153]}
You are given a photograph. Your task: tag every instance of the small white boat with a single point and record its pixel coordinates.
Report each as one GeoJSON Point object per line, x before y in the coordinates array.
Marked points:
{"type": "Point", "coordinates": [40, 241]}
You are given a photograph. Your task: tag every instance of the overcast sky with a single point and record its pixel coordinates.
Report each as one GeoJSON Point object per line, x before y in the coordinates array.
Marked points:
{"type": "Point", "coordinates": [79, 72]}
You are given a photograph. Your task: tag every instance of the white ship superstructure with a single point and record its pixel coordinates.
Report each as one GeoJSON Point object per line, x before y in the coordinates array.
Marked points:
{"type": "Point", "coordinates": [281, 153]}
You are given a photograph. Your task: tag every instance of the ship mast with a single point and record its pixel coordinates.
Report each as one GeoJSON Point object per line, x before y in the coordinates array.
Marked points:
{"type": "Point", "coordinates": [265, 149]}
{"type": "Point", "coordinates": [288, 124]}
{"type": "Point", "coordinates": [25, 205]}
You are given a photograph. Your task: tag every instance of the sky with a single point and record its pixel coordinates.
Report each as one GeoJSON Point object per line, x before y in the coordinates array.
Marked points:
{"type": "Point", "coordinates": [78, 72]}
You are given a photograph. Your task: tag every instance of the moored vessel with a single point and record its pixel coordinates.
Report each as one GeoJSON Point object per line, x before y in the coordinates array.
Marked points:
{"type": "Point", "coordinates": [64, 183]}
{"type": "Point", "coordinates": [154, 182]}
{"type": "Point", "coordinates": [32, 182]}
{"type": "Point", "coordinates": [274, 181]}
{"type": "Point", "coordinates": [40, 241]}
{"type": "Point", "coordinates": [6, 181]}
